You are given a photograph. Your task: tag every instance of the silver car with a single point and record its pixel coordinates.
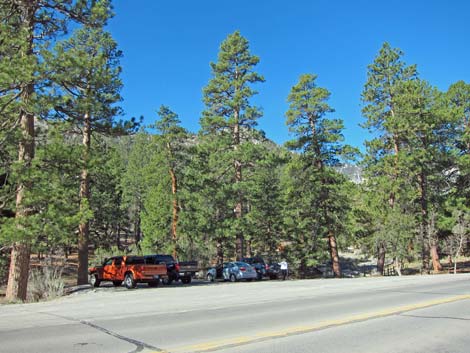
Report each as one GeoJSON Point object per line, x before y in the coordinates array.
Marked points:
{"type": "Point", "coordinates": [232, 271]}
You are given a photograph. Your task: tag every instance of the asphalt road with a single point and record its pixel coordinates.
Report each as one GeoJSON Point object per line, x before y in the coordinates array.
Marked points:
{"type": "Point", "coordinates": [409, 314]}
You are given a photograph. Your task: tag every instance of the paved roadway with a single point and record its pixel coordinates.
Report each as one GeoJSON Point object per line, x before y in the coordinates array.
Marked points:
{"type": "Point", "coordinates": [410, 314]}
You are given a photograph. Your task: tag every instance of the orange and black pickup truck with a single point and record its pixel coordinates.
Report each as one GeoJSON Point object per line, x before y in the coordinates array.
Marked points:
{"type": "Point", "coordinates": [128, 269]}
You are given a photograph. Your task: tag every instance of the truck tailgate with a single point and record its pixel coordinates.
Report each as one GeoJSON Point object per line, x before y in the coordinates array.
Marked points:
{"type": "Point", "coordinates": [154, 270]}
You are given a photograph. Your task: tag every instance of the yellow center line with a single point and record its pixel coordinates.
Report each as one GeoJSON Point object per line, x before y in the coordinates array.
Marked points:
{"type": "Point", "coordinates": [262, 336]}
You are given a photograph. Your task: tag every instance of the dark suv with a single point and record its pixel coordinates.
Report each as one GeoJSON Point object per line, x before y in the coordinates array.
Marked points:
{"type": "Point", "coordinates": [259, 265]}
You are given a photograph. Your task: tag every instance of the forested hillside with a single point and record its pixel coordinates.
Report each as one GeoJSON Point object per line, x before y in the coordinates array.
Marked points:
{"type": "Point", "coordinates": [76, 179]}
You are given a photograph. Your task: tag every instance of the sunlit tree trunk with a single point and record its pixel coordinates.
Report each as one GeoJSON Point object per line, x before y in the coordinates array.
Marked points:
{"type": "Point", "coordinates": [334, 254]}
{"type": "Point", "coordinates": [175, 212]}
{"type": "Point", "coordinates": [21, 250]}
{"type": "Point", "coordinates": [84, 226]}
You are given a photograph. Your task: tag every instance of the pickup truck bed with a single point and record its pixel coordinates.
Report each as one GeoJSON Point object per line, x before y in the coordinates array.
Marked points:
{"type": "Point", "coordinates": [188, 270]}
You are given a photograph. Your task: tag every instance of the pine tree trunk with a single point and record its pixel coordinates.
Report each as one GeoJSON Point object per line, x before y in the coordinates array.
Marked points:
{"type": "Point", "coordinates": [174, 221]}
{"type": "Point", "coordinates": [334, 254]}
{"type": "Point", "coordinates": [19, 271]}
{"type": "Point", "coordinates": [21, 251]}
{"type": "Point", "coordinates": [240, 240]}
{"type": "Point", "coordinates": [436, 264]}
{"type": "Point", "coordinates": [137, 222]}
{"type": "Point", "coordinates": [84, 226]}
{"type": "Point", "coordinates": [424, 222]}
{"type": "Point", "coordinates": [118, 237]}
{"type": "Point", "coordinates": [302, 268]}
{"type": "Point", "coordinates": [381, 258]}
{"type": "Point", "coordinates": [248, 248]}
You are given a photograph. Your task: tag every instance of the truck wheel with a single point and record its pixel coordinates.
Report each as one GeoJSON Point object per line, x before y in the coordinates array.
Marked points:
{"type": "Point", "coordinates": [129, 281]}
{"type": "Point", "coordinates": [117, 283]}
{"type": "Point", "coordinates": [94, 280]}
{"type": "Point", "coordinates": [233, 278]}
{"type": "Point", "coordinates": [210, 277]}
{"type": "Point", "coordinates": [186, 280]}
{"type": "Point", "coordinates": [167, 281]}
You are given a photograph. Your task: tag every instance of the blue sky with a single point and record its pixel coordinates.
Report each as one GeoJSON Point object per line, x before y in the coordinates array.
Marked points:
{"type": "Point", "coordinates": [168, 46]}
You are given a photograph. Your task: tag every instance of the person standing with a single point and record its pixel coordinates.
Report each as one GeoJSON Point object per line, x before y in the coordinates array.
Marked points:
{"type": "Point", "coordinates": [284, 266]}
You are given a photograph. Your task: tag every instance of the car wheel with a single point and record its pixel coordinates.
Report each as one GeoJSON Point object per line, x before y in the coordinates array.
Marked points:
{"type": "Point", "coordinates": [167, 281]}
{"type": "Point", "coordinates": [129, 281]}
{"type": "Point", "coordinates": [94, 280]}
{"type": "Point", "coordinates": [233, 278]}
{"type": "Point", "coordinates": [185, 280]}
{"type": "Point", "coordinates": [210, 277]}
{"type": "Point", "coordinates": [117, 283]}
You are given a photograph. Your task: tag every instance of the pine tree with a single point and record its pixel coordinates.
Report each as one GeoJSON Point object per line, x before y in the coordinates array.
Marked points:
{"type": "Point", "coordinates": [318, 140]}
{"type": "Point", "coordinates": [87, 68]}
{"type": "Point", "coordinates": [31, 25]}
{"type": "Point", "coordinates": [428, 141]}
{"type": "Point", "coordinates": [383, 152]}
{"type": "Point", "coordinates": [163, 201]}
{"type": "Point", "coordinates": [229, 114]}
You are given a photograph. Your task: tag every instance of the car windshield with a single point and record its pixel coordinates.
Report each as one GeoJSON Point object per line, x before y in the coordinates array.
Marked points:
{"type": "Point", "coordinates": [242, 264]}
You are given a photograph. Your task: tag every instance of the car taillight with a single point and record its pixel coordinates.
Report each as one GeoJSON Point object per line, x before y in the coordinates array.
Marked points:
{"type": "Point", "coordinates": [243, 269]}
{"type": "Point", "coordinates": [177, 266]}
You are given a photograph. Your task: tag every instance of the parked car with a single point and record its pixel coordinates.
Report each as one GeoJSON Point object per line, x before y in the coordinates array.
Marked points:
{"type": "Point", "coordinates": [258, 263]}
{"type": "Point", "coordinates": [232, 271]}
{"type": "Point", "coordinates": [130, 269]}
{"type": "Point", "coordinates": [273, 270]}
{"type": "Point", "coordinates": [215, 272]}
{"type": "Point", "coordinates": [184, 270]}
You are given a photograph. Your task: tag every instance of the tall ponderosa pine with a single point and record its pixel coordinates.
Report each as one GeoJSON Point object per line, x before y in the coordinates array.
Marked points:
{"type": "Point", "coordinates": [171, 142]}
{"type": "Point", "coordinates": [86, 67]}
{"type": "Point", "coordinates": [383, 152]}
{"type": "Point", "coordinates": [33, 24]}
{"type": "Point", "coordinates": [318, 139]}
{"type": "Point", "coordinates": [422, 115]}
{"type": "Point", "coordinates": [228, 114]}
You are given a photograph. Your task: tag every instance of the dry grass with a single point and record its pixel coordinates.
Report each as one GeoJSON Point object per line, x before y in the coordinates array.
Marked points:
{"type": "Point", "coordinates": [45, 283]}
